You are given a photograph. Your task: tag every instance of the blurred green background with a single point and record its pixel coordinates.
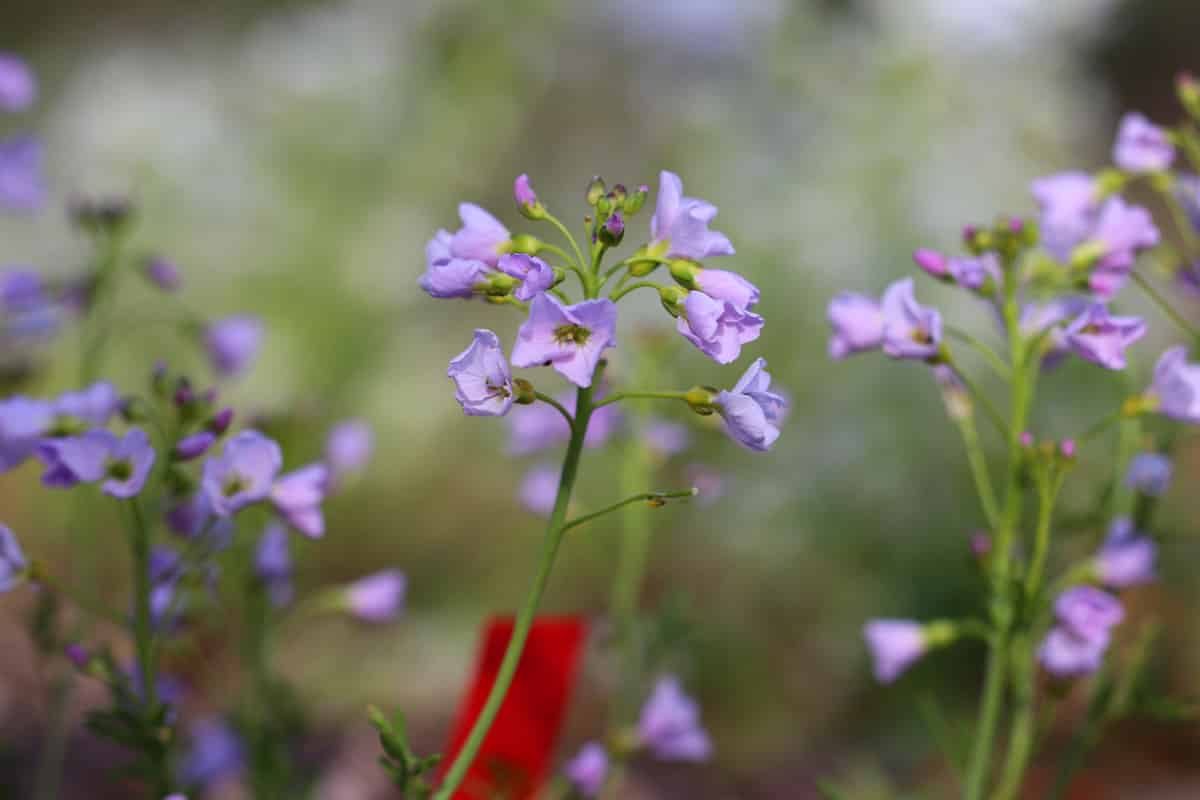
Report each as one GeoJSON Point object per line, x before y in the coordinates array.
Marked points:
{"type": "Point", "coordinates": [293, 158]}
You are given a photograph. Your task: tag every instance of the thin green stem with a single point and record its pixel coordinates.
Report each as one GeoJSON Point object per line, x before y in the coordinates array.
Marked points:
{"type": "Point", "coordinates": [1100, 426]}
{"type": "Point", "coordinates": [548, 400]}
{"type": "Point", "coordinates": [1182, 224]}
{"type": "Point", "coordinates": [1165, 305]}
{"type": "Point", "coordinates": [942, 732]}
{"type": "Point", "coordinates": [516, 645]}
{"type": "Point", "coordinates": [993, 359]}
{"type": "Point", "coordinates": [1048, 489]}
{"type": "Point", "coordinates": [618, 396]}
{"type": "Point", "coordinates": [579, 259]}
{"type": "Point", "coordinates": [1024, 725]}
{"type": "Point", "coordinates": [979, 471]}
{"type": "Point", "coordinates": [980, 397]}
{"type": "Point", "coordinates": [654, 499]}
{"type": "Point", "coordinates": [617, 294]}
{"type": "Point", "coordinates": [558, 251]}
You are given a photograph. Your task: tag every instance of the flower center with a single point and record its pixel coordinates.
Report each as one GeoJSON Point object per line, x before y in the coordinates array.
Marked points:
{"type": "Point", "coordinates": [921, 336]}
{"type": "Point", "coordinates": [234, 484]}
{"type": "Point", "coordinates": [496, 390]}
{"type": "Point", "coordinates": [571, 334]}
{"type": "Point", "coordinates": [119, 469]}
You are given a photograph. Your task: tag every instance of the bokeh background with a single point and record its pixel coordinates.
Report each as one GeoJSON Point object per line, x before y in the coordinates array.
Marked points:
{"type": "Point", "coordinates": [294, 157]}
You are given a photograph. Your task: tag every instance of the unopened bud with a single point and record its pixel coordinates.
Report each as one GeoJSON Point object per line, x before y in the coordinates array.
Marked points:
{"type": "Point", "coordinates": [613, 230]}
{"type": "Point", "coordinates": [635, 201]}
{"type": "Point", "coordinates": [595, 190]}
{"type": "Point", "coordinates": [1188, 90]}
{"type": "Point", "coordinates": [1067, 447]}
{"type": "Point", "coordinates": [527, 200]}
{"type": "Point", "coordinates": [684, 272]}
{"type": "Point", "coordinates": [524, 243]}
{"type": "Point", "coordinates": [617, 196]}
{"type": "Point", "coordinates": [220, 421]}
{"type": "Point", "coordinates": [499, 285]}
{"type": "Point", "coordinates": [672, 299]}
{"type": "Point", "coordinates": [931, 261]}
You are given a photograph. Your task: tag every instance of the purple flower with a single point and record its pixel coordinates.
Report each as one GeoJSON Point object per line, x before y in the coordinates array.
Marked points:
{"type": "Point", "coordinates": [523, 193]}
{"type": "Point", "coordinates": [972, 272]}
{"type": "Point", "coordinates": [666, 438]}
{"type": "Point", "coordinates": [728, 287]}
{"type": "Point", "coordinates": [613, 229]}
{"type": "Point", "coordinates": [588, 769]}
{"type": "Point", "coordinates": [482, 379]}
{"type": "Point", "coordinates": [1149, 473]}
{"type": "Point", "coordinates": [12, 559]}
{"type": "Point", "coordinates": [1088, 612]}
{"type": "Point", "coordinates": [680, 224]}
{"type": "Point", "coordinates": [23, 422]}
{"type": "Point", "coordinates": [194, 517]}
{"type": "Point", "coordinates": [1068, 201]}
{"type": "Point", "coordinates": [243, 474]}
{"type": "Point", "coordinates": [1141, 145]}
{"type": "Point", "coordinates": [539, 490]}
{"type": "Point", "coordinates": [233, 343]}
{"type": "Point", "coordinates": [1048, 318]}
{"type": "Point", "coordinates": [21, 289]}
{"type": "Point", "coordinates": [194, 446]}
{"type": "Point", "coordinates": [1187, 190]}
{"type": "Point", "coordinates": [94, 405]}
{"type": "Point", "coordinates": [536, 275]}
{"type": "Point", "coordinates": [273, 564]}
{"type": "Point", "coordinates": [1121, 230]}
{"type": "Point", "coordinates": [481, 238]}
{"type": "Point", "coordinates": [933, 262]}
{"type": "Point", "coordinates": [22, 187]}
{"type": "Point", "coordinates": [447, 276]}
{"type": "Point", "coordinates": [717, 328]}
{"type": "Point", "coordinates": [98, 455]}
{"type": "Point", "coordinates": [163, 274]}
{"type": "Point", "coordinates": [569, 338]}
{"type": "Point", "coordinates": [1176, 386]}
{"type": "Point", "coordinates": [1102, 339]}
{"type": "Point", "coordinates": [751, 411]}
{"type": "Point", "coordinates": [18, 87]}
{"type": "Point", "coordinates": [670, 724]}
{"type": "Point", "coordinates": [539, 426]}
{"type": "Point", "coordinates": [297, 497]}
{"type": "Point", "coordinates": [910, 330]}
{"type": "Point", "coordinates": [1127, 558]}
{"type": "Point", "coordinates": [348, 447]}
{"type": "Point", "coordinates": [857, 322]}
{"type": "Point", "coordinates": [895, 645]}
{"type": "Point", "coordinates": [216, 752]}
{"type": "Point", "coordinates": [1067, 655]}
{"type": "Point", "coordinates": [378, 597]}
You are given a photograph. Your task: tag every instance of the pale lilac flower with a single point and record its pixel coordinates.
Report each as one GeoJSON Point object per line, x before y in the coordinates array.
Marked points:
{"type": "Point", "coordinates": [539, 426]}
{"type": "Point", "coordinates": [933, 262]}
{"type": "Point", "coordinates": [1176, 386]}
{"type": "Point", "coordinates": [98, 455]}
{"type": "Point", "coordinates": [1102, 339]}
{"type": "Point", "coordinates": [1048, 319]}
{"type": "Point", "coordinates": [588, 769]}
{"type": "Point", "coordinates": [454, 277]}
{"type": "Point", "coordinates": [539, 489]}
{"type": "Point", "coordinates": [1142, 146]}
{"type": "Point", "coordinates": [523, 193]}
{"type": "Point", "coordinates": [273, 564]}
{"type": "Point", "coordinates": [728, 287]}
{"type": "Point", "coordinates": [569, 338]}
{"type": "Point", "coordinates": [297, 498]}
{"type": "Point", "coordinates": [378, 597]}
{"type": "Point", "coordinates": [194, 517]}
{"type": "Point", "coordinates": [18, 87]}
{"type": "Point", "coordinates": [216, 751]}
{"type": "Point", "coordinates": [895, 645]}
{"type": "Point", "coordinates": [1122, 231]}
{"type": "Point", "coordinates": [21, 289]}
{"type": "Point", "coordinates": [972, 272]}
{"type": "Point", "coordinates": [481, 238]}
{"type": "Point", "coordinates": [78, 655]}
{"type": "Point", "coordinates": [163, 274]}
{"type": "Point", "coordinates": [23, 422]}
{"type": "Point", "coordinates": [94, 405]}
{"type": "Point", "coordinates": [751, 411]}
{"type": "Point", "coordinates": [857, 322]}
{"type": "Point", "coordinates": [1149, 473]}
{"type": "Point", "coordinates": [1065, 654]}
{"type": "Point", "coordinates": [348, 447]}
{"type": "Point", "coordinates": [536, 276]}
{"type": "Point", "coordinates": [680, 224]}
{"type": "Point", "coordinates": [194, 446]}
{"type": "Point", "coordinates": [1127, 557]}
{"type": "Point", "coordinates": [910, 330]}
{"type": "Point", "coordinates": [233, 343]}
{"type": "Point", "coordinates": [1088, 612]}
{"type": "Point", "coordinates": [717, 328]}
{"type": "Point", "coordinates": [482, 380]}
{"type": "Point", "coordinates": [243, 474]}
{"type": "Point", "coordinates": [666, 438]}
{"type": "Point", "coordinates": [1068, 201]}
{"type": "Point", "coordinates": [613, 229]}
{"type": "Point", "coordinates": [12, 559]}
{"type": "Point", "coordinates": [128, 466]}
{"type": "Point", "coordinates": [22, 186]}
{"type": "Point", "coordinates": [220, 421]}
{"type": "Point", "coordinates": [669, 725]}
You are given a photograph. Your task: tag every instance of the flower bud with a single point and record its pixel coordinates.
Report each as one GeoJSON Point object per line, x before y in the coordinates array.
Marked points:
{"type": "Point", "coordinates": [162, 273]}
{"type": "Point", "coordinates": [603, 206]}
{"type": "Point", "coordinates": [1188, 90]}
{"type": "Point", "coordinates": [194, 446]}
{"type": "Point", "coordinates": [635, 201]}
{"type": "Point", "coordinates": [524, 243]}
{"type": "Point", "coordinates": [701, 399]}
{"type": "Point", "coordinates": [499, 285]}
{"type": "Point", "coordinates": [219, 423]}
{"type": "Point", "coordinates": [1067, 448]}
{"type": "Point", "coordinates": [527, 200]}
{"type": "Point", "coordinates": [184, 396]}
{"type": "Point", "coordinates": [684, 272]}
{"type": "Point", "coordinates": [931, 261]}
{"type": "Point", "coordinates": [613, 230]}
{"type": "Point", "coordinates": [78, 655]}
{"type": "Point", "coordinates": [617, 196]}
{"type": "Point", "coordinates": [595, 190]}
{"type": "Point", "coordinates": [672, 299]}
{"type": "Point", "coordinates": [524, 394]}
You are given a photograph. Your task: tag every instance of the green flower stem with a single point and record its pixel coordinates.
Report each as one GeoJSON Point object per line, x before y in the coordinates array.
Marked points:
{"type": "Point", "coordinates": [979, 471]}
{"type": "Point", "coordinates": [1182, 224]}
{"type": "Point", "coordinates": [516, 645]}
{"type": "Point", "coordinates": [558, 251]}
{"type": "Point", "coordinates": [653, 499]}
{"type": "Point", "coordinates": [1024, 724]}
{"type": "Point", "coordinates": [989, 355]}
{"type": "Point", "coordinates": [980, 397]}
{"type": "Point", "coordinates": [548, 400]}
{"type": "Point", "coordinates": [1165, 305]}
{"type": "Point", "coordinates": [580, 261]}
{"type": "Point", "coordinates": [618, 396]}
{"type": "Point", "coordinates": [1100, 426]}
{"type": "Point", "coordinates": [617, 294]}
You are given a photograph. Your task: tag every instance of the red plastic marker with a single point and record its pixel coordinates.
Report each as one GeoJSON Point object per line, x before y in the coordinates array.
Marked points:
{"type": "Point", "coordinates": [515, 756]}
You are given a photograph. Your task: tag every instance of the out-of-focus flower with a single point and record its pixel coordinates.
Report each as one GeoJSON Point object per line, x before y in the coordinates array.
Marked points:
{"type": "Point", "coordinates": [536, 276]}
{"type": "Point", "coordinates": [273, 564]}
{"type": "Point", "coordinates": [193, 517]}
{"type": "Point", "coordinates": [895, 645]}
{"type": "Point", "coordinates": [1142, 146]}
{"type": "Point", "coordinates": [481, 238]}
{"type": "Point", "coordinates": [348, 447]}
{"type": "Point", "coordinates": [910, 330]}
{"type": "Point", "coordinates": [1068, 655]}
{"type": "Point", "coordinates": [215, 752]}
{"type": "Point", "coordinates": [21, 289]}
{"type": "Point", "coordinates": [539, 489]}
{"type": "Point", "coordinates": [194, 446]}
{"type": "Point", "coordinates": [1120, 231]}
{"type": "Point", "coordinates": [1176, 386]}
{"type": "Point", "coordinates": [1127, 557]}
{"type": "Point", "coordinates": [665, 438]}
{"type": "Point", "coordinates": [588, 769]}
{"type": "Point", "coordinates": [98, 455]}
{"type": "Point", "coordinates": [18, 86]}
{"type": "Point", "coordinates": [12, 559]}
{"type": "Point", "coordinates": [679, 226]}
{"type": "Point", "coordinates": [94, 405]}
{"type": "Point", "coordinates": [1087, 611]}
{"type": "Point", "coordinates": [569, 338]}
{"type": "Point", "coordinates": [377, 598]}
{"type": "Point", "coordinates": [1047, 320]}
{"type": "Point", "coordinates": [297, 497]}
{"type": "Point", "coordinates": [1102, 339]}
{"type": "Point", "coordinates": [447, 277]}
{"type": "Point", "coordinates": [717, 328]}
{"type": "Point", "coordinates": [243, 474]}
{"type": "Point", "coordinates": [1068, 201]}
{"type": "Point", "coordinates": [933, 262]}
{"type": "Point", "coordinates": [1149, 473]}
{"type": "Point", "coordinates": [857, 323]}
{"type": "Point", "coordinates": [162, 273]}
{"type": "Point", "coordinates": [233, 344]}
{"type": "Point", "coordinates": [482, 379]}
{"type": "Point", "coordinates": [23, 422]}
{"type": "Point", "coordinates": [750, 410]}
{"type": "Point", "coordinates": [669, 725]}
{"type": "Point", "coordinates": [22, 185]}
{"type": "Point", "coordinates": [973, 272]}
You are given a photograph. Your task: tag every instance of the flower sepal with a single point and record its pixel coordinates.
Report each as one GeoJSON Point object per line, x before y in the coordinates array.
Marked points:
{"type": "Point", "coordinates": [702, 399]}
{"type": "Point", "coordinates": [684, 272]}
{"type": "Point", "coordinates": [523, 243]}
{"type": "Point", "coordinates": [524, 394]}
{"type": "Point", "coordinates": [672, 299]}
